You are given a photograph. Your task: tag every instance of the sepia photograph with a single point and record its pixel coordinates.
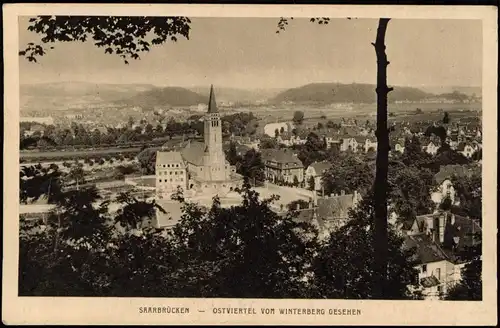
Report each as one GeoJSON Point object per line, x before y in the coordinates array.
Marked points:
{"type": "Point", "coordinates": [283, 157]}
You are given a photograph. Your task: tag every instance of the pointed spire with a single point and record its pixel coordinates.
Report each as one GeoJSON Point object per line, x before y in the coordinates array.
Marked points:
{"type": "Point", "coordinates": [212, 105]}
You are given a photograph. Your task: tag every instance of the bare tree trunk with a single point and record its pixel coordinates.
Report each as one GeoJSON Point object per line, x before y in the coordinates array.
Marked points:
{"type": "Point", "coordinates": [380, 187]}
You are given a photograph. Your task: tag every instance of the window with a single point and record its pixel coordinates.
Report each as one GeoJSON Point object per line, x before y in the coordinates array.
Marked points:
{"type": "Point", "coordinates": [438, 273]}
{"type": "Point", "coordinates": [440, 289]}
{"type": "Point", "coordinates": [160, 180]}
{"type": "Point", "coordinates": [168, 165]}
{"type": "Point", "coordinates": [424, 268]}
{"type": "Point", "coordinates": [170, 179]}
{"type": "Point", "coordinates": [182, 179]}
{"type": "Point", "coordinates": [176, 165]}
{"type": "Point", "coordinates": [175, 172]}
{"type": "Point", "coordinates": [163, 165]}
{"type": "Point", "coordinates": [170, 172]}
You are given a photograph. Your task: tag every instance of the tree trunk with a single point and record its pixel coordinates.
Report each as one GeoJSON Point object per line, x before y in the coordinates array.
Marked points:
{"type": "Point", "coordinates": [380, 187]}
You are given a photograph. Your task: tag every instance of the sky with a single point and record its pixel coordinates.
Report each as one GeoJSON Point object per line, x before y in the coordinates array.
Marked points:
{"type": "Point", "coordinates": [248, 53]}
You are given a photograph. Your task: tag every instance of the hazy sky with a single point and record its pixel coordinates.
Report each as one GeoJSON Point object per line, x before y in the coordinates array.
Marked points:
{"type": "Point", "coordinates": [247, 53]}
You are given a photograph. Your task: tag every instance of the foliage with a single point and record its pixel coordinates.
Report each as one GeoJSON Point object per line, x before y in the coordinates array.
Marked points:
{"type": "Point", "coordinates": [219, 246]}
{"type": "Point", "coordinates": [410, 190]}
{"type": "Point", "coordinates": [470, 287]}
{"type": "Point", "coordinates": [147, 161]}
{"type": "Point", "coordinates": [469, 192]}
{"type": "Point", "coordinates": [298, 117]}
{"type": "Point", "coordinates": [37, 181]}
{"type": "Point", "coordinates": [311, 183]}
{"type": "Point", "coordinates": [252, 167]}
{"type": "Point", "coordinates": [124, 36]}
{"type": "Point", "coordinates": [348, 173]}
{"type": "Point", "coordinates": [344, 266]}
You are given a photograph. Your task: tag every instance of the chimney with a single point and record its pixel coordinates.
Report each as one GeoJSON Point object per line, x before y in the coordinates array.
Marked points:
{"type": "Point", "coordinates": [442, 221]}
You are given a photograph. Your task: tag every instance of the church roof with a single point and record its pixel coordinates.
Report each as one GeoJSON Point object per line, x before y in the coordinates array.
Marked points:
{"type": "Point", "coordinates": [212, 104]}
{"type": "Point", "coordinates": [168, 157]}
{"type": "Point", "coordinates": [193, 152]}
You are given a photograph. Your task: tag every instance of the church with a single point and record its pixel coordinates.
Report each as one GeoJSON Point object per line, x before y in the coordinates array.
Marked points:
{"type": "Point", "coordinates": [199, 168]}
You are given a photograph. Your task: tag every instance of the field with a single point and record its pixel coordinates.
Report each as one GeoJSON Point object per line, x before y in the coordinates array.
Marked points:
{"type": "Point", "coordinates": [361, 112]}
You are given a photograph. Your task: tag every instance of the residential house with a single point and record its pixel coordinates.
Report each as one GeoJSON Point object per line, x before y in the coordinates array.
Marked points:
{"type": "Point", "coordinates": [444, 183]}
{"type": "Point", "coordinates": [331, 138]}
{"type": "Point", "coordinates": [316, 171]}
{"type": "Point", "coordinates": [171, 172]}
{"type": "Point", "coordinates": [282, 165]}
{"type": "Point", "coordinates": [432, 147]}
{"type": "Point", "coordinates": [352, 143]}
{"type": "Point", "coordinates": [439, 239]}
{"type": "Point", "coordinates": [334, 209]}
{"type": "Point", "coordinates": [289, 139]}
{"type": "Point", "coordinates": [467, 149]}
{"type": "Point", "coordinates": [399, 145]}
{"type": "Point", "coordinates": [370, 144]}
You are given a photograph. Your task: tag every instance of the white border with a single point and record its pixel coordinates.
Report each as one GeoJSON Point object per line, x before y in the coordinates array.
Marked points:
{"type": "Point", "coordinates": [16, 310]}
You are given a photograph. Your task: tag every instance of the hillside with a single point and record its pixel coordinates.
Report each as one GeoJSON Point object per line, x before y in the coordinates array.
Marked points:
{"type": "Point", "coordinates": [327, 93]}
{"type": "Point", "coordinates": [235, 95]}
{"type": "Point", "coordinates": [166, 96]}
{"type": "Point", "coordinates": [65, 95]}
{"type": "Point", "coordinates": [469, 91]}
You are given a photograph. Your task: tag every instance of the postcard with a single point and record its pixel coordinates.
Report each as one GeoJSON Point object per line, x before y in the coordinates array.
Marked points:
{"type": "Point", "coordinates": [249, 164]}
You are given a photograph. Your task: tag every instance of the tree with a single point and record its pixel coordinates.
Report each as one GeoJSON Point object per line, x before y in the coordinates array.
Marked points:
{"type": "Point", "coordinates": [298, 117]}
{"type": "Point", "coordinates": [282, 130]}
{"type": "Point", "coordinates": [470, 287]}
{"type": "Point", "coordinates": [124, 36]}
{"type": "Point", "coordinates": [77, 174]}
{"type": "Point", "coordinates": [344, 267]}
{"type": "Point", "coordinates": [134, 212]}
{"type": "Point", "coordinates": [252, 167]}
{"type": "Point", "coordinates": [147, 161]}
{"type": "Point", "coordinates": [35, 182]}
{"type": "Point", "coordinates": [296, 182]}
{"type": "Point", "coordinates": [348, 174]}
{"type": "Point", "coordinates": [446, 118]}
{"type": "Point", "coordinates": [276, 133]}
{"type": "Point", "coordinates": [410, 191]}
{"type": "Point", "coordinates": [218, 246]}
{"type": "Point", "coordinates": [232, 155]}
{"type": "Point", "coordinates": [311, 183]}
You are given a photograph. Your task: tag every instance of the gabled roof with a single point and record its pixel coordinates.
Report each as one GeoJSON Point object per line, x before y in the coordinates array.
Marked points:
{"type": "Point", "coordinates": [335, 206]}
{"type": "Point", "coordinates": [320, 167]}
{"type": "Point", "coordinates": [193, 152]}
{"type": "Point", "coordinates": [448, 171]}
{"type": "Point", "coordinates": [282, 156]}
{"type": "Point", "coordinates": [426, 250]}
{"type": "Point", "coordinates": [169, 157]}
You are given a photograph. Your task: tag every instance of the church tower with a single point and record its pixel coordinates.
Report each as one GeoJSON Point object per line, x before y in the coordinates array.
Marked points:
{"type": "Point", "coordinates": [214, 154]}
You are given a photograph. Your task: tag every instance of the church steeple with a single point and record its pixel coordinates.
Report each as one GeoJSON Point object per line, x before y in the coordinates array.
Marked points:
{"type": "Point", "coordinates": [212, 105]}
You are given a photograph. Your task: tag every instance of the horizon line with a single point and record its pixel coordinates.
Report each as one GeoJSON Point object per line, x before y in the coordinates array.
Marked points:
{"type": "Point", "coordinates": [244, 88]}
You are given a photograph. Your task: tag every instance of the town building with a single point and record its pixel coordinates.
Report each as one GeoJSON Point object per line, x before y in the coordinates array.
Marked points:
{"type": "Point", "coordinates": [171, 172]}
{"type": "Point", "coordinates": [334, 209]}
{"type": "Point", "coordinates": [202, 166]}
{"type": "Point", "coordinates": [282, 165]}
{"type": "Point", "coordinates": [438, 240]}
{"type": "Point", "coordinates": [315, 171]}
